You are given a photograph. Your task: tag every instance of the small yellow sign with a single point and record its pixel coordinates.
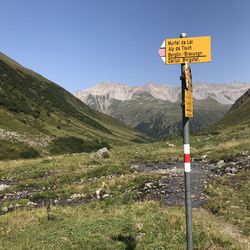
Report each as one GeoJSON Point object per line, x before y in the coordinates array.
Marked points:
{"type": "Point", "coordinates": [191, 50]}
{"type": "Point", "coordinates": [188, 103]}
{"type": "Point", "coordinates": [188, 77]}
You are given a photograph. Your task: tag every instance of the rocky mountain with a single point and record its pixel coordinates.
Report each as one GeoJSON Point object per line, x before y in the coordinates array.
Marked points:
{"type": "Point", "coordinates": [38, 116]}
{"type": "Point", "coordinates": [155, 109]}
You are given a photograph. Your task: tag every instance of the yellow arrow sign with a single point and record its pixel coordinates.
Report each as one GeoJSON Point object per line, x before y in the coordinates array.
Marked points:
{"type": "Point", "coordinates": [191, 50]}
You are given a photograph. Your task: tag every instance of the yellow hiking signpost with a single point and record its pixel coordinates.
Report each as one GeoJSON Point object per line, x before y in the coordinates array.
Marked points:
{"type": "Point", "coordinates": [191, 50]}
{"type": "Point", "coordinates": [184, 51]}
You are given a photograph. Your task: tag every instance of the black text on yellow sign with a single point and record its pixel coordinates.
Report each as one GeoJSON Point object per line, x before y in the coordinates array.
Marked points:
{"type": "Point", "coordinates": [188, 102]}
{"type": "Point", "coordinates": [191, 50]}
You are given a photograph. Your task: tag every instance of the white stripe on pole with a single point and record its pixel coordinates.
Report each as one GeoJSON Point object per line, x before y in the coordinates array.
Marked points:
{"type": "Point", "coordinates": [187, 167]}
{"type": "Point", "coordinates": [186, 149]}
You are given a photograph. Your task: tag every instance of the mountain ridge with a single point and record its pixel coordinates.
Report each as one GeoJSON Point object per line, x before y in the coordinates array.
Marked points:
{"type": "Point", "coordinates": [155, 109]}
{"type": "Point", "coordinates": [223, 93]}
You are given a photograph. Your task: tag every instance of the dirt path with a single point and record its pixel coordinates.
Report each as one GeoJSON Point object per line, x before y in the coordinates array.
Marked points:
{"type": "Point", "coordinates": [170, 189]}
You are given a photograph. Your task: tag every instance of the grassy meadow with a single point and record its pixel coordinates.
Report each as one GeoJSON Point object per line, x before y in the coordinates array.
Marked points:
{"type": "Point", "coordinates": [69, 216]}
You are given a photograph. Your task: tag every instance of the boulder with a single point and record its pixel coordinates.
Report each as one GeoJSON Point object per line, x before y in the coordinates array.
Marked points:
{"type": "Point", "coordinates": [103, 153]}
{"type": "Point", "coordinates": [220, 163]}
{"type": "Point", "coordinates": [3, 186]}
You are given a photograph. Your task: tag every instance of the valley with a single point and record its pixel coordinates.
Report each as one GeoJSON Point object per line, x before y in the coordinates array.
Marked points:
{"type": "Point", "coordinates": [124, 126]}
{"type": "Point", "coordinates": [74, 178]}
{"type": "Point", "coordinates": [155, 109]}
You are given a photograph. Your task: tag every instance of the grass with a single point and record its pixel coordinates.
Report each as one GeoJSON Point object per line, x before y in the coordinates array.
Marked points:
{"type": "Point", "coordinates": [230, 198]}
{"type": "Point", "coordinates": [230, 142]}
{"type": "Point", "coordinates": [11, 151]}
{"type": "Point", "coordinates": [124, 220]}
{"type": "Point", "coordinates": [98, 226]}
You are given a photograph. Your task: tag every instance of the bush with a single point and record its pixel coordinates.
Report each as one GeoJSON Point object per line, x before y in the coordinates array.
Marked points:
{"type": "Point", "coordinates": [30, 153]}
{"type": "Point", "coordinates": [17, 150]}
{"type": "Point", "coordinates": [73, 144]}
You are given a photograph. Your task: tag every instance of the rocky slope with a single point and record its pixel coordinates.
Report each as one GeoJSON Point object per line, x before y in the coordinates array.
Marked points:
{"type": "Point", "coordinates": [223, 93]}
{"type": "Point", "coordinates": [155, 109]}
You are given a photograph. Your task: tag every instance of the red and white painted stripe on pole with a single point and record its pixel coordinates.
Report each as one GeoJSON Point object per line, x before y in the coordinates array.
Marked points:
{"type": "Point", "coordinates": [187, 165]}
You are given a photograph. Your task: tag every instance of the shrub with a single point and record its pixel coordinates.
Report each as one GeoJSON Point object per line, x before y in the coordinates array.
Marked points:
{"type": "Point", "coordinates": [73, 144]}
{"type": "Point", "coordinates": [30, 153]}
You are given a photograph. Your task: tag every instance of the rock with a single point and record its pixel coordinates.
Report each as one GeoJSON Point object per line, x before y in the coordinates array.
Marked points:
{"type": "Point", "coordinates": [103, 153]}
{"type": "Point", "coordinates": [228, 170]}
{"type": "Point", "coordinates": [134, 167]}
{"type": "Point", "coordinates": [212, 167]}
{"type": "Point", "coordinates": [170, 144]}
{"type": "Point", "coordinates": [105, 196]}
{"type": "Point", "coordinates": [76, 196]}
{"type": "Point", "coordinates": [161, 184]}
{"type": "Point", "coordinates": [5, 209]}
{"type": "Point", "coordinates": [98, 193]}
{"type": "Point", "coordinates": [3, 186]}
{"type": "Point", "coordinates": [220, 163]}
{"type": "Point", "coordinates": [204, 157]}
{"type": "Point", "coordinates": [140, 236]}
{"type": "Point", "coordinates": [163, 171]}
{"type": "Point", "coordinates": [56, 201]}
{"type": "Point", "coordinates": [234, 170]}
{"type": "Point", "coordinates": [32, 204]}
{"type": "Point", "coordinates": [149, 185]}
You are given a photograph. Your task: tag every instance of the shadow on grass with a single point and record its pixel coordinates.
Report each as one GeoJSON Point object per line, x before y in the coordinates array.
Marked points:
{"type": "Point", "coordinates": [129, 241]}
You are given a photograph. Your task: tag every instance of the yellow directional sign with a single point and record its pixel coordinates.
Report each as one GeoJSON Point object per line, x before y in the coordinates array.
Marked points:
{"type": "Point", "coordinates": [188, 103]}
{"type": "Point", "coordinates": [191, 50]}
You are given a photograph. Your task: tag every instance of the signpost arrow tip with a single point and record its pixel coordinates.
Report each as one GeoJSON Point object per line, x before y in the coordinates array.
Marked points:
{"type": "Point", "coordinates": [162, 52]}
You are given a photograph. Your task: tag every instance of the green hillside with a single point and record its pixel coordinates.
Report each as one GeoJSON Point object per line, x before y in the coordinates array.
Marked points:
{"type": "Point", "coordinates": [39, 117]}
{"type": "Point", "coordinates": [236, 120]}
{"type": "Point", "coordinates": [239, 114]}
{"type": "Point", "coordinates": [161, 119]}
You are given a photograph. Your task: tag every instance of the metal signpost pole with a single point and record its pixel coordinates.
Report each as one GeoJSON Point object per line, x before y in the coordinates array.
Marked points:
{"type": "Point", "coordinates": [187, 167]}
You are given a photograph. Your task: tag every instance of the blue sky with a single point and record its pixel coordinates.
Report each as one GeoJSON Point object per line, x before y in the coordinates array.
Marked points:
{"type": "Point", "coordinates": [77, 43]}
